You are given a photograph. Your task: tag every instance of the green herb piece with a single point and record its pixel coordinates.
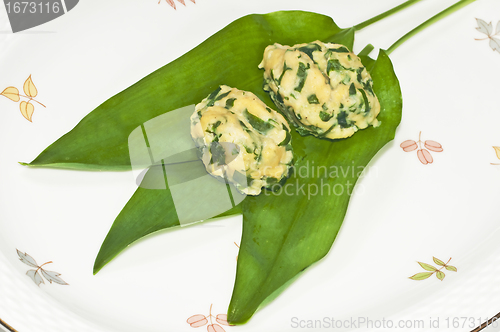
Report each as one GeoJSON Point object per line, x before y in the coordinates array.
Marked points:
{"type": "Point", "coordinates": [324, 116]}
{"type": "Point", "coordinates": [365, 100]}
{"type": "Point", "coordinates": [230, 103]}
{"type": "Point", "coordinates": [211, 97]}
{"type": "Point", "coordinates": [285, 68]}
{"type": "Point", "coordinates": [368, 86]}
{"type": "Point", "coordinates": [334, 64]}
{"type": "Point", "coordinates": [288, 137]}
{"type": "Point", "coordinates": [214, 94]}
{"type": "Point", "coordinates": [342, 120]}
{"type": "Point", "coordinates": [218, 154]}
{"type": "Point", "coordinates": [302, 75]}
{"type": "Point", "coordinates": [352, 89]}
{"type": "Point", "coordinates": [313, 99]}
{"type": "Point", "coordinates": [222, 96]}
{"type": "Point", "coordinates": [324, 107]}
{"type": "Point", "coordinates": [359, 76]}
{"type": "Point", "coordinates": [309, 49]}
{"type": "Point", "coordinates": [257, 123]}
{"type": "Point", "coordinates": [341, 49]}
{"type": "Point", "coordinates": [215, 125]}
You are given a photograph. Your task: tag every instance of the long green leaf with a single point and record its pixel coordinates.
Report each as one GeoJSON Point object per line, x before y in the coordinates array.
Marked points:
{"type": "Point", "coordinates": [284, 234]}
{"type": "Point", "coordinates": [236, 65]}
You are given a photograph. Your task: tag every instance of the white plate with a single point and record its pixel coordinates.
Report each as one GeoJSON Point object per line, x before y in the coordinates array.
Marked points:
{"type": "Point", "coordinates": [403, 212]}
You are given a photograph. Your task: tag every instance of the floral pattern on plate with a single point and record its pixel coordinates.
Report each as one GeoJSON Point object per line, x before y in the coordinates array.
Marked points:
{"type": "Point", "coordinates": [487, 29]}
{"type": "Point", "coordinates": [439, 274]}
{"type": "Point", "coordinates": [36, 275]}
{"type": "Point", "coordinates": [423, 154]}
{"type": "Point", "coordinates": [201, 320]}
{"type": "Point", "coordinates": [26, 107]}
{"type": "Point", "coordinates": [497, 151]}
{"type": "Point", "coordinates": [172, 3]}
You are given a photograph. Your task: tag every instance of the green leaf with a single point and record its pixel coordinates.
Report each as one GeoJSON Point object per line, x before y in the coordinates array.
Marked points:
{"type": "Point", "coordinates": [257, 123]}
{"type": "Point", "coordinates": [309, 49]}
{"type": "Point", "coordinates": [302, 75]}
{"type": "Point", "coordinates": [427, 267]}
{"type": "Point", "coordinates": [440, 275]}
{"type": "Point", "coordinates": [313, 99]}
{"type": "Point", "coordinates": [99, 141]}
{"type": "Point", "coordinates": [91, 144]}
{"type": "Point", "coordinates": [438, 261]}
{"type": "Point", "coordinates": [284, 234]}
{"type": "Point", "coordinates": [451, 268]}
{"type": "Point", "coordinates": [421, 276]}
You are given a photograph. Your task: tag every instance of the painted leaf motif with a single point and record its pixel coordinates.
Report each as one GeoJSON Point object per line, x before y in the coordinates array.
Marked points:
{"type": "Point", "coordinates": [440, 275]}
{"type": "Point", "coordinates": [484, 27]}
{"type": "Point", "coordinates": [495, 44]}
{"type": "Point", "coordinates": [27, 110]}
{"type": "Point", "coordinates": [433, 146]}
{"type": "Point", "coordinates": [427, 266]}
{"type": "Point", "coordinates": [12, 93]}
{"type": "Point", "coordinates": [409, 145]}
{"type": "Point", "coordinates": [27, 259]}
{"type": "Point", "coordinates": [498, 28]}
{"type": "Point", "coordinates": [497, 151]}
{"type": "Point", "coordinates": [35, 275]}
{"type": "Point", "coordinates": [222, 319]}
{"type": "Point", "coordinates": [215, 328]}
{"type": "Point", "coordinates": [171, 3]}
{"type": "Point", "coordinates": [30, 88]}
{"type": "Point", "coordinates": [52, 276]}
{"type": "Point", "coordinates": [421, 276]}
{"type": "Point", "coordinates": [451, 268]}
{"type": "Point", "coordinates": [424, 156]}
{"type": "Point", "coordinates": [197, 320]}
{"type": "Point", "coordinates": [438, 261]}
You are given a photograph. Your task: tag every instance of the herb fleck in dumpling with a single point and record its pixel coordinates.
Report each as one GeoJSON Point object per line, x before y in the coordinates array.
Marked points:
{"type": "Point", "coordinates": [322, 88]}
{"type": "Point", "coordinates": [259, 154]}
